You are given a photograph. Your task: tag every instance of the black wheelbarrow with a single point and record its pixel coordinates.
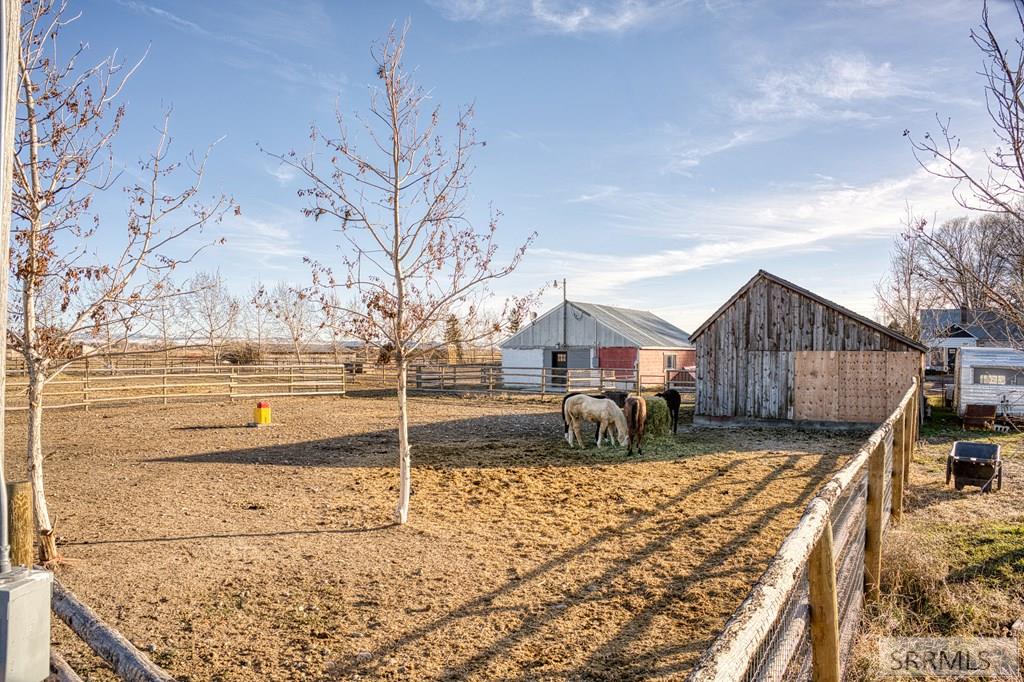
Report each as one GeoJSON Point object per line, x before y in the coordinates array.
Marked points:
{"type": "Point", "coordinates": [979, 464]}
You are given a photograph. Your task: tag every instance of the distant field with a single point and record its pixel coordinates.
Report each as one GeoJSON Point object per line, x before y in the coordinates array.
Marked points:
{"type": "Point", "coordinates": [243, 554]}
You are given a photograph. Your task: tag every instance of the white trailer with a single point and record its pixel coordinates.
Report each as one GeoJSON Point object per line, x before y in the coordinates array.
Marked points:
{"type": "Point", "coordinates": [990, 376]}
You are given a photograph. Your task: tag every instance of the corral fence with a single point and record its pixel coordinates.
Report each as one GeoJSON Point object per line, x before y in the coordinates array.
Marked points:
{"type": "Point", "coordinates": [92, 387]}
{"type": "Point", "coordinates": [547, 380]}
{"type": "Point", "coordinates": [800, 620]}
{"type": "Point", "coordinates": [87, 386]}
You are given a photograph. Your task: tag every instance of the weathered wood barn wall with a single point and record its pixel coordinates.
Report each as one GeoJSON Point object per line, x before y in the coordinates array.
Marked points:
{"type": "Point", "coordinates": [776, 351]}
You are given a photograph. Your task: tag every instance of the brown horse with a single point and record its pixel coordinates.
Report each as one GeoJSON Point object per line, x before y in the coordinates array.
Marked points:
{"type": "Point", "coordinates": [636, 417]}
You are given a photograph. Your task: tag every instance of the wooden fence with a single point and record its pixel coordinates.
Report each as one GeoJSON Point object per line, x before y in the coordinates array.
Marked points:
{"type": "Point", "coordinates": [92, 387]}
{"type": "Point", "coordinates": [89, 386]}
{"type": "Point", "coordinates": [800, 620]}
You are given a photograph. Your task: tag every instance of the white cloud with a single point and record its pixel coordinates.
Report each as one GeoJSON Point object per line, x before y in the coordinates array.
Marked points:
{"type": "Point", "coordinates": [835, 87]}
{"type": "Point", "coordinates": [564, 16]}
{"type": "Point", "coordinates": [283, 173]}
{"type": "Point", "coordinates": [689, 156]}
{"type": "Point", "coordinates": [707, 233]}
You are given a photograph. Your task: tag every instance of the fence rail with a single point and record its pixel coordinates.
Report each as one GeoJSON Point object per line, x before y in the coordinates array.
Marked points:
{"type": "Point", "coordinates": [800, 620]}
{"type": "Point", "coordinates": [88, 386]}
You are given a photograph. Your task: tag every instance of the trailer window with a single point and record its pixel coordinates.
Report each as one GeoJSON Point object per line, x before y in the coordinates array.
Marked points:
{"type": "Point", "coordinates": [998, 377]}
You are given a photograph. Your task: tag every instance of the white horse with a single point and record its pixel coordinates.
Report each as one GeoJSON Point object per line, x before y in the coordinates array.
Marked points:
{"type": "Point", "coordinates": [580, 408]}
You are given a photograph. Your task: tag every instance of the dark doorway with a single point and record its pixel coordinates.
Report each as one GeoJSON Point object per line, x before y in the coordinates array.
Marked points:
{"type": "Point", "coordinates": [559, 363]}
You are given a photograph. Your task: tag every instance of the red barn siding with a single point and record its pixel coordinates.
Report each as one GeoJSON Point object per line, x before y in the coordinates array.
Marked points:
{"type": "Point", "coordinates": [617, 357]}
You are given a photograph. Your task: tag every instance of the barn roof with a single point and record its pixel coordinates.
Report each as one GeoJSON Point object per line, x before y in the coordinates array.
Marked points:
{"type": "Point", "coordinates": [640, 328]}
{"type": "Point", "coordinates": [846, 312]}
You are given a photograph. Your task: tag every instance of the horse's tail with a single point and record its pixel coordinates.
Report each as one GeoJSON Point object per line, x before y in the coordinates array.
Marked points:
{"type": "Point", "coordinates": [565, 417]}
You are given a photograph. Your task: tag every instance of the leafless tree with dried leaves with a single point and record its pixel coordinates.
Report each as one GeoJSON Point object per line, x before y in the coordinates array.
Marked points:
{"type": "Point", "coordinates": [411, 255]}
{"type": "Point", "coordinates": [980, 263]}
{"type": "Point", "coordinates": [67, 118]}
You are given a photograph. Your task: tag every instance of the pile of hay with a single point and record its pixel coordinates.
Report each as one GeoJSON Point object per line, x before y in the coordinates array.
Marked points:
{"type": "Point", "coordinates": [658, 419]}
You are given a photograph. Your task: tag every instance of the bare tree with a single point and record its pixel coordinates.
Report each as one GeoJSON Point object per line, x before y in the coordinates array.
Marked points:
{"type": "Point", "coordinates": [212, 311]}
{"type": "Point", "coordinates": [333, 322]}
{"type": "Point", "coordinates": [413, 257]}
{"type": "Point", "coordinates": [66, 120]}
{"type": "Point", "coordinates": [293, 311]}
{"type": "Point", "coordinates": [256, 319]}
{"type": "Point", "coordinates": [982, 259]}
{"type": "Point", "coordinates": [904, 290]}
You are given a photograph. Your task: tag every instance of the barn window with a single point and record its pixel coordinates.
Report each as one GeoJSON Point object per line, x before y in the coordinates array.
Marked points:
{"type": "Point", "coordinates": [994, 376]}
{"type": "Point", "coordinates": [670, 362]}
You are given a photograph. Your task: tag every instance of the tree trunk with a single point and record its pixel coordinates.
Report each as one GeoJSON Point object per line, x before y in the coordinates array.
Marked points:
{"type": "Point", "coordinates": [296, 344]}
{"type": "Point", "coordinates": [47, 544]}
{"type": "Point", "coordinates": [404, 458]}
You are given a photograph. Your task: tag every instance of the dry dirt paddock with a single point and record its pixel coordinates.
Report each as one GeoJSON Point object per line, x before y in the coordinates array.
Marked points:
{"type": "Point", "coordinates": [232, 553]}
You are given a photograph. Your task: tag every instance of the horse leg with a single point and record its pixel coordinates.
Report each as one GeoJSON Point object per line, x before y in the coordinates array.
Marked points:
{"type": "Point", "coordinates": [576, 431]}
{"type": "Point", "coordinates": [602, 425]}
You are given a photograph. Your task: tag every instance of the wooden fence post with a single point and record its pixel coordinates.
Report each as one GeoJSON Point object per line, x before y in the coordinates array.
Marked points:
{"type": "Point", "coordinates": [908, 448]}
{"type": "Point", "coordinates": [543, 381]}
{"type": "Point", "coordinates": [824, 603]}
{"type": "Point", "coordinates": [22, 523]}
{"type": "Point", "coordinates": [163, 387]}
{"type": "Point", "coordinates": [899, 434]}
{"type": "Point", "coordinates": [85, 388]}
{"type": "Point", "coordinates": [873, 534]}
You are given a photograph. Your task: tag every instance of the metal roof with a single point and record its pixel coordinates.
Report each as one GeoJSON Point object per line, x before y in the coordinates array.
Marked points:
{"type": "Point", "coordinates": [642, 326]}
{"type": "Point", "coordinates": [764, 274]}
{"type": "Point", "coordinates": [983, 356]}
{"type": "Point", "coordinates": [591, 324]}
{"type": "Point", "coordinates": [984, 325]}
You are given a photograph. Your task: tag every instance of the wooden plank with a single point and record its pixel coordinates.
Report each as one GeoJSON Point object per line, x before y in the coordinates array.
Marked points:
{"type": "Point", "coordinates": [816, 389]}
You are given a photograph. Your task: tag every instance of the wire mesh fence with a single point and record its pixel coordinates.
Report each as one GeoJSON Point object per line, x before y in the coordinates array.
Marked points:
{"type": "Point", "coordinates": [770, 637]}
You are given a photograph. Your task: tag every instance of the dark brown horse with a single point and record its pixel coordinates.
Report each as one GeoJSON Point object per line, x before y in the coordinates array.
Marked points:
{"type": "Point", "coordinates": [672, 399]}
{"type": "Point", "coordinates": [636, 417]}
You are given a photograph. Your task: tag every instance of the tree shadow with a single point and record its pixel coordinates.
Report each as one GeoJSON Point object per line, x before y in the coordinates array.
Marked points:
{"type": "Point", "coordinates": [671, 522]}
{"type": "Point", "coordinates": [232, 536]}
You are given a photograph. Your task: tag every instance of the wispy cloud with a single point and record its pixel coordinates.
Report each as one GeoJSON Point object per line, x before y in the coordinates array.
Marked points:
{"type": "Point", "coordinates": [283, 173]}
{"type": "Point", "coordinates": [707, 234]}
{"type": "Point", "coordinates": [279, 66]}
{"type": "Point", "coordinates": [565, 16]}
{"type": "Point", "coordinates": [684, 157]}
{"type": "Point", "coordinates": [835, 86]}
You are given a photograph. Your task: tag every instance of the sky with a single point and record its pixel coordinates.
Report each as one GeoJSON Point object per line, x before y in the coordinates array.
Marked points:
{"type": "Point", "coordinates": [662, 150]}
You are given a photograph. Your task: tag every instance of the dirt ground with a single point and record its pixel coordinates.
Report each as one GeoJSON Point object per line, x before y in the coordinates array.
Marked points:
{"type": "Point", "coordinates": [232, 553]}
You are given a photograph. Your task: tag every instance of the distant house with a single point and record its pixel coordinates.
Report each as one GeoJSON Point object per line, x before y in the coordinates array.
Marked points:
{"type": "Point", "coordinates": [576, 335]}
{"type": "Point", "coordinates": [776, 352]}
{"type": "Point", "coordinates": [946, 330]}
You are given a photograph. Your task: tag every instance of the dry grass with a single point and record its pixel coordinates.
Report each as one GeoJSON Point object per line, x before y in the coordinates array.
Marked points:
{"type": "Point", "coordinates": [268, 554]}
{"type": "Point", "coordinates": [955, 566]}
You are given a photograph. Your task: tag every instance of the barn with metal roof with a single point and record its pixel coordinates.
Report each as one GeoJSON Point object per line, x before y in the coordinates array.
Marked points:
{"type": "Point", "coordinates": [576, 335]}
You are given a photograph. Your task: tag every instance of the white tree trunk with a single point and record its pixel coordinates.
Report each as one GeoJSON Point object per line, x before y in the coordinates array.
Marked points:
{"type": "Point", "coordinates": [404, 458]}
{"type": "Point", "coordinates": [48, 550]}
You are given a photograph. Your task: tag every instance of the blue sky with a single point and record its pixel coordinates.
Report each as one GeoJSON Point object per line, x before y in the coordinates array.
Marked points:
{"type": "Point", "coordinates": [662, 150]}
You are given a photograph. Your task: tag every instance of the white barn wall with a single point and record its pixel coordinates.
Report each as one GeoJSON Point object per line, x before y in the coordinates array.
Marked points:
{"type": "Point", "coordinates": [521, 366]}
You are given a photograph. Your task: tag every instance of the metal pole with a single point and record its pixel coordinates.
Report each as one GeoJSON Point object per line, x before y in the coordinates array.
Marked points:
{"type": "Point", "coordinates": [10, 29]}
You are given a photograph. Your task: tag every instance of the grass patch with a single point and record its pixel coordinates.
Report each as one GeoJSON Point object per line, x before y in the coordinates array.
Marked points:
{"type": "Point", "coordinates": [992, 555]}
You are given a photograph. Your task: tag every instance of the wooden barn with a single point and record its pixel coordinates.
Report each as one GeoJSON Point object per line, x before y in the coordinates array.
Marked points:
{"type": "Point", "coordinates": [778, 352]}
